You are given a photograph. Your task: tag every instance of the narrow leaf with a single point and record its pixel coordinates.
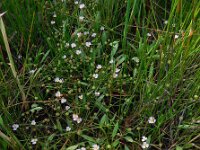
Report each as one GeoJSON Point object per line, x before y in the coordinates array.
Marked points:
{"type": "Point", "coordinates": [115, 130]}
{"type": "Point", "coordinates": [73, 147]}
{"type": "Point", "coordinates": [128, 139]}
{"type": "Point", "coordinates": [88, 138]}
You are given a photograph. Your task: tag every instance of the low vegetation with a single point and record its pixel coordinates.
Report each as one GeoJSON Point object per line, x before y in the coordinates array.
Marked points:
{"type": "Point", "coordinates": [99, 74]}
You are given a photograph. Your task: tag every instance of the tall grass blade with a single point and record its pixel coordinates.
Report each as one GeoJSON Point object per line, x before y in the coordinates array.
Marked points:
{"type": "Point", "coordinates": [128, 8]}
{"type": "Point", "coordinates": [12, 66]}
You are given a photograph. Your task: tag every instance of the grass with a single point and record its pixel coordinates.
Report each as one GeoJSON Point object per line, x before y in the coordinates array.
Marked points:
{"type": "Point", "coordinates": [138, 75]}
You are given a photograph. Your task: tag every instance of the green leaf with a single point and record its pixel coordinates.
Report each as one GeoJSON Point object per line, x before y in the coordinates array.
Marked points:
{"type": "Point", "coordinates": [115, 46]}
{"type": "Point", "coordinates": [50, 138]}
{"type": "Point", "coordinates": [149, 139]}
{"type": "Point", "coordinates": [187, 146]}
{"type": "Point", "coordinates": [58, 125]}
{"type": "Point", "coordinates": [128, 139]}
{"type": "Point", "coordinates": [151, 70]}
{"type": "Point", "coordinates": [34, 105]}
{"type": "Point", "coordinates": [115, 143]}
{"type": "Point", "coordinates": [135, 71]}
{"type": "Point", "coordinates": [83, 83]}
{"type": "Point", "coordinates": [103, 120]}
{"type": "Point", "coordinates": [185, 126]}
{"type": "Point", "coordinates": [73, 147]}
{"type": "Point", "coordinates": [36, 109]}
{"type": "Point", "coordinates": [45, 56]}
{"type": "Point", "coordinates": [115, 130]}
{"type": "Point", "coordinates": [99, 104]}
{"type": "Point", "coordinates": [88, 138]}
{"type": "Point", "coordinates": [122, 58]}
{"type": "Point", "coordinates": [126, 147]}
{"type": "Point", "coordinates": [100, 98]}
{"type": "Point", "coordinates": [97, 20]}
{"type": "Point", "coordinates": [104, 38]}
{"type": "Point", "coordinates": [1, 121]}
{"type": "Point", "coordinates": [179, 148]}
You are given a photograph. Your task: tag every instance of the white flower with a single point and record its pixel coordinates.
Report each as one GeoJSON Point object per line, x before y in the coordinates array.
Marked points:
{"type": "Point", "coordinates": [68, 128]}
{"type": "Point", "coordinates": [99, 66]}
{"type": "Point", "coordinates": [115, 75]}
{"type": "Point", "coordinates": [102, 28]}
{"type": "Point", "coordinates": [166, 22]}
{"type": "Point", "coordinates": [79, 120]}
{"type": "Point", "coordinates": [58, 94]}
{"type": "Point", "coordinates": [15, 127]}
{"type": "Point", "coordinates": [95, 147]}
{"type": "Point", "coordinates": [81, 6]}
{"type": "Point", "coordinates": [73, 45]}
{"type": "Point", "coordinates": [173, 25]}
{"type": "Point", "coordinates": [111, 61]}
{"type": "Point", "coordinates": [93, 34]}
{"type": "Point", "coordinates": [148, 34]}
{"type": "Point", "coordinates": [76, 2]}
{"type": "Point", "coordinates": [53, 22]}
{"type": "Point", "coordinates": [151, 120]}
{"type": "Point", "coordinates": [63, 100]}
{"type": "Point", "coordinates": [144, 138]}
{"type": "Point", "coordinates": [64, 56]}
{"type": "Point", "coordinates": [61, 81]}
{"type": "Point", "coordinates": [19, 56]}
{"type": "Point", "coordinates": [82, 148]}
{"type": "Point", "coordinates": [88, 44]}
{"type": "Point", "coordinates": [79, 34]}
{"type": "Point", "coordinates": [86, 32]}
{"type": "Point", "coordinates": [117, 70]}
{"type": "Point", "coordinates": [32, 71]}
{"type": "Point", "coordinates": [33, 122]}
{"type": "Point", "coordinates": [176, 36]}
{"type": "Point", "coordinates": [34, 141]}
{"type": "Point", "coordinates": [81, 18]}
{"type": "Point", "coordinates": [67, 108]}
{"type": "Point", "coordinates": [78, 52]}
{"type": "Point", "coordinates": [75, 117]}
{"type": "Point", "coordinates": [58, 80]}
{"type": "Point", "coordinates": [145, 145]}
{"type": "Point", "coordinates": [95, 75]}
{"type": "Point", "coordinates": [80, 97]}
{"type": "Point", "coordinates": [54, 15]}
{"type": "Point", "coordinates": [97, 93]}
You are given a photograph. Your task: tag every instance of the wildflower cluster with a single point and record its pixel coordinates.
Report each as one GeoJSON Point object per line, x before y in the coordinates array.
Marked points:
{"type": "Point", "coordinates": [93, 86]}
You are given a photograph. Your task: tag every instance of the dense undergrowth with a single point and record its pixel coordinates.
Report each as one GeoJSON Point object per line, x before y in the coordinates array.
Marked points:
{"type": "Point", "coordinates": [100, 74]}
